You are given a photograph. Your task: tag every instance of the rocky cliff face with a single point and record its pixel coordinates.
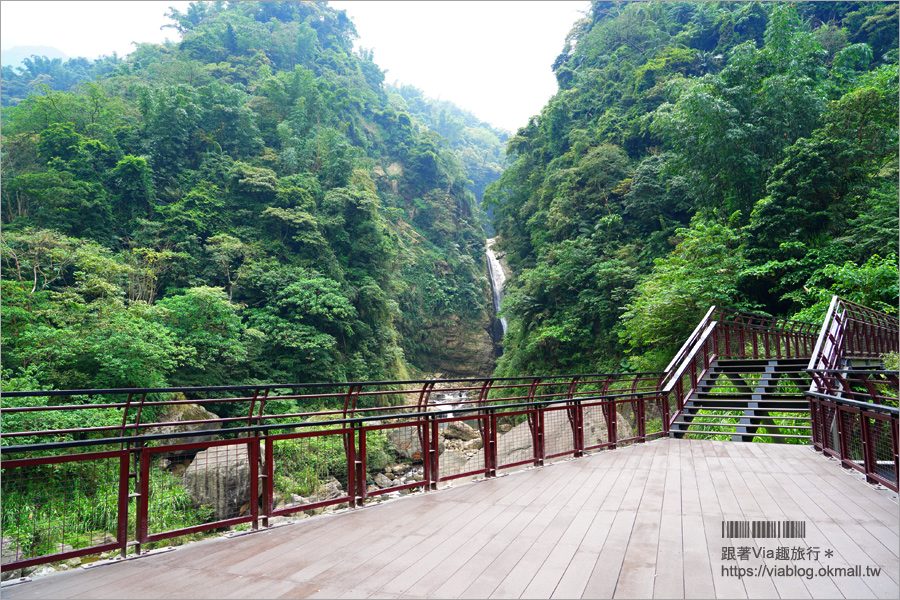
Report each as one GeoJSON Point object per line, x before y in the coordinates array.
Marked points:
{"type": "Point", "coordinates": [462, 348]}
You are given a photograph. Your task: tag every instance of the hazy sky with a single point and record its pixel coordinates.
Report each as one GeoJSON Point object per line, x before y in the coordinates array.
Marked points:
{"type": "Point", "coordinates": [491, 58]}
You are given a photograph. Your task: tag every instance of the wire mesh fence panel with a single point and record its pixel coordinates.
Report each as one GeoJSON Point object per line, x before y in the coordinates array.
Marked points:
{"type": "Point", "coordinates": [65, 508]}
{"type": "Point", "coordinates": [559, 432]}
{"type": "Point", "coordinates": [852, 433]}
{"type": "Point", "coordinates": [394, 457]}
{"type": "Point", "coordinates": [596, 429]}
{"type": "Point", "coordinates": [215, 487]}
{"type": "Point", "coordinates": [309, 468]}
{"type": "Point", "coordinates": [653, 415]}
{"type": "Point", "coordinates": [462, 441]}
{"type": "Point", "coordinates": [626, 420]}
{"type": "Point", "coordinates": [882, 446]}
{"type": "Point", "coordinates": [830, 439]}
{"type": "Point", "coordinates": [515, 439]}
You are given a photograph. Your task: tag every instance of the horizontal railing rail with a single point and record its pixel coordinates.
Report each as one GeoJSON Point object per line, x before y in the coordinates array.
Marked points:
{"type": "Point", "coordinates": [133, 484]}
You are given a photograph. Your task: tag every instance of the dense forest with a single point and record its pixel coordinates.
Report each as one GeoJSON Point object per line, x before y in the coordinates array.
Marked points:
{"type": "Point", "coordinates": [253, 203]}
{"type": "Point", "coordinates": [248, 204]}
{"type": "Point", "coordinates": [696, 153]}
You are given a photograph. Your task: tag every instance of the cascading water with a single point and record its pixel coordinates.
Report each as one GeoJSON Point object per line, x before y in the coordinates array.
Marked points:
{"type": "Point", "coordinates": [495, 271]}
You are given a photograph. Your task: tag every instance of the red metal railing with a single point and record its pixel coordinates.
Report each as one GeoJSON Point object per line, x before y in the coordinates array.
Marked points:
{"type": "Point", "coordinates": [854, 411]}
{"type": "Point", "coordinates": [65, 499]}
{"type": "Point", "coordinates": [728, 334]}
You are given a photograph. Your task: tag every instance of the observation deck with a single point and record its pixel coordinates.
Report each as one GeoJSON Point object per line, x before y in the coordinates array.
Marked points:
{"type": "Point", "coordinates": [643, 521]}
{"type": "Point", "coordinates": [591, 485]}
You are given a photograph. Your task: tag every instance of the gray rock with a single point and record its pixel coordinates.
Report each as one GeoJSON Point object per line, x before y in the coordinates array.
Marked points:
{"type": "Point", "coordinates": [332, 489]}
{"type": "Point", "coordinates": [382, 481]}
{"type": "Point", "coordinates": [475, 444]}
{"type": "Point", "coordinates": [10, 551]}
{"type": "Point", "coordinates": [43, 570]}
{"type": "Point", "coordinates": [220, 477]}
{"type": "Point", "coordinates": [178, 413]}
{"type": "Point", "coordinates": [452, 462]}
{"type": "Point", "coordinates": [405, 441]}
{"type": "Point", "coordinates": [460, 431]}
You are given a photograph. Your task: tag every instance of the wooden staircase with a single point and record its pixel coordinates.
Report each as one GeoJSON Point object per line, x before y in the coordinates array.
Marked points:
{"type": "Point", "coordinates": [749, 398]}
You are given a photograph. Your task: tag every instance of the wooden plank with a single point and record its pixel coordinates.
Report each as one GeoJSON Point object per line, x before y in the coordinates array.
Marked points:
{"type": "Point", "coordinates": [409, 548]}
{"type": "Point", "coordinates": [822, 532]}
{"type": "Point", "coordinates": [669, 579]}
{"type": "Point", "coordinates": [484, 584]}
{"type": "Point", "coordinates": [427, 572]}
{"type": "Point", "coordinates": [698, 575]}
{"type": "Point", "coordinates": [460, 584]}
{"type": "Point", "coordinates": [75, 582]}
{"type": "Point", "coordinates": [639, 565]}
{"type": "Point", "coordinates": [557, 564]}
{"type": "Point", "coordinates": [334, 568]}
{"type": "Point", "coordinates": [603, 579]}
{"type": "Point", "coordinates": [575, 579]}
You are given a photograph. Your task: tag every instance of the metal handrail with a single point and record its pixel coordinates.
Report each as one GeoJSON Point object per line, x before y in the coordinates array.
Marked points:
{"type": "Point", "coordinates": [698, 345]}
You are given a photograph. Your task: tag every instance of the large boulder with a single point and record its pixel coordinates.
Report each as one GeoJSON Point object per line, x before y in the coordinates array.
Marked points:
{"type": "Point", "coordinates": [185, 413]}
{"type": "Point", "coordinates": [452, 462]}
{"type": "Point", "coordinates": [459, 430]}
{"type": "Point", "coordinates": [219, 477]}
{"type": "Point", "coordinates": [405, 442]}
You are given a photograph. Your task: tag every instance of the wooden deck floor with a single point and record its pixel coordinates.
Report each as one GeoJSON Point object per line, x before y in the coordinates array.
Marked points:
{"type": "Point", "coordinates": [638, 522]}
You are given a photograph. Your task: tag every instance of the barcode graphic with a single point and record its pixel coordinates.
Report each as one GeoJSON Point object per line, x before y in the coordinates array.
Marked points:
{"type": "Point", "coordinates": [763, 529]}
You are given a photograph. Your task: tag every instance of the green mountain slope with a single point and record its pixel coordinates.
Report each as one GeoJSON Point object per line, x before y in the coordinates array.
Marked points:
{"type": "Point", "coordinates": [736, 153]}
{"type": "Point", "coordinates": [243, 205]}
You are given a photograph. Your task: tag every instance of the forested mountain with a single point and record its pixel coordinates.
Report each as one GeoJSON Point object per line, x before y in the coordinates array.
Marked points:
{"type": "Point", "coordinates": [246, 204]}
{"type": "Point", "coordinates": [479, 148]}
{"type": "Point", "coordinates": [697, 153]}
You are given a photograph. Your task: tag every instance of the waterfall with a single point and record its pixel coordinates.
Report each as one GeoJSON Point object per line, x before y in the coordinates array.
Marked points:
{"type": "Point", "coordinates": [495, 271]}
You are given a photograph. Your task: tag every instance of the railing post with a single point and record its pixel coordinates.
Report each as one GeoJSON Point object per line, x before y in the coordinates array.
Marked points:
{"type": "Point", "coordinates": [143, 500]}
{"type": "Point", "coordinates": [490, 446]}
{"type": "Point", "coordinates": [895, 446]}
{"type": "Point", "coordinates": [868, 448]}
{"type": "Point", "coordinates": [269, 482]}
{"type": "Point", "coordinates": [610, 412]}
{"type": "Point", "coordinates": [539, 436]}
{"type": "Point", "coordinates": [361, 465]}
{"type": "Point", "coordinates": [663, 400]}
{"type": "Point", "coordinates": [253, 451]}
{"type": "Point", "coordinates": [843, 446]}
{"type": "Point", "coordinates": [433, 453]}
{"type": "Point", "coordinates": [122, 519]}
{"type": "Point", "coordinates": [576, 416]}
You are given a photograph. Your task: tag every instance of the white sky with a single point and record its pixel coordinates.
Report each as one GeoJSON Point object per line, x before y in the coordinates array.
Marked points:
{"type": "Point", "coordinates": [491, 58]}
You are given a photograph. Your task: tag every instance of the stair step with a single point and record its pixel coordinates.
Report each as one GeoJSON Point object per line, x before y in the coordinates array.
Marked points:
{"type": "Point", "coordinates": [739, 395]}
{"type": "Point", "coordinates": [745, 416]}
{"type": "Point", "coordinates": [769, 435]}
{"type": "Point", "coordinates": [716, 404]}
{"type": "Point", "coordinates": [719, 425]}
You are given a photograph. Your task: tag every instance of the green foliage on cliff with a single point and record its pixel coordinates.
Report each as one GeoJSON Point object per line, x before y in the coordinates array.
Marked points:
{"type": "Point", "coordinates": [731, 153]}
{"type": "Point", "coordinates": [246, 204]}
